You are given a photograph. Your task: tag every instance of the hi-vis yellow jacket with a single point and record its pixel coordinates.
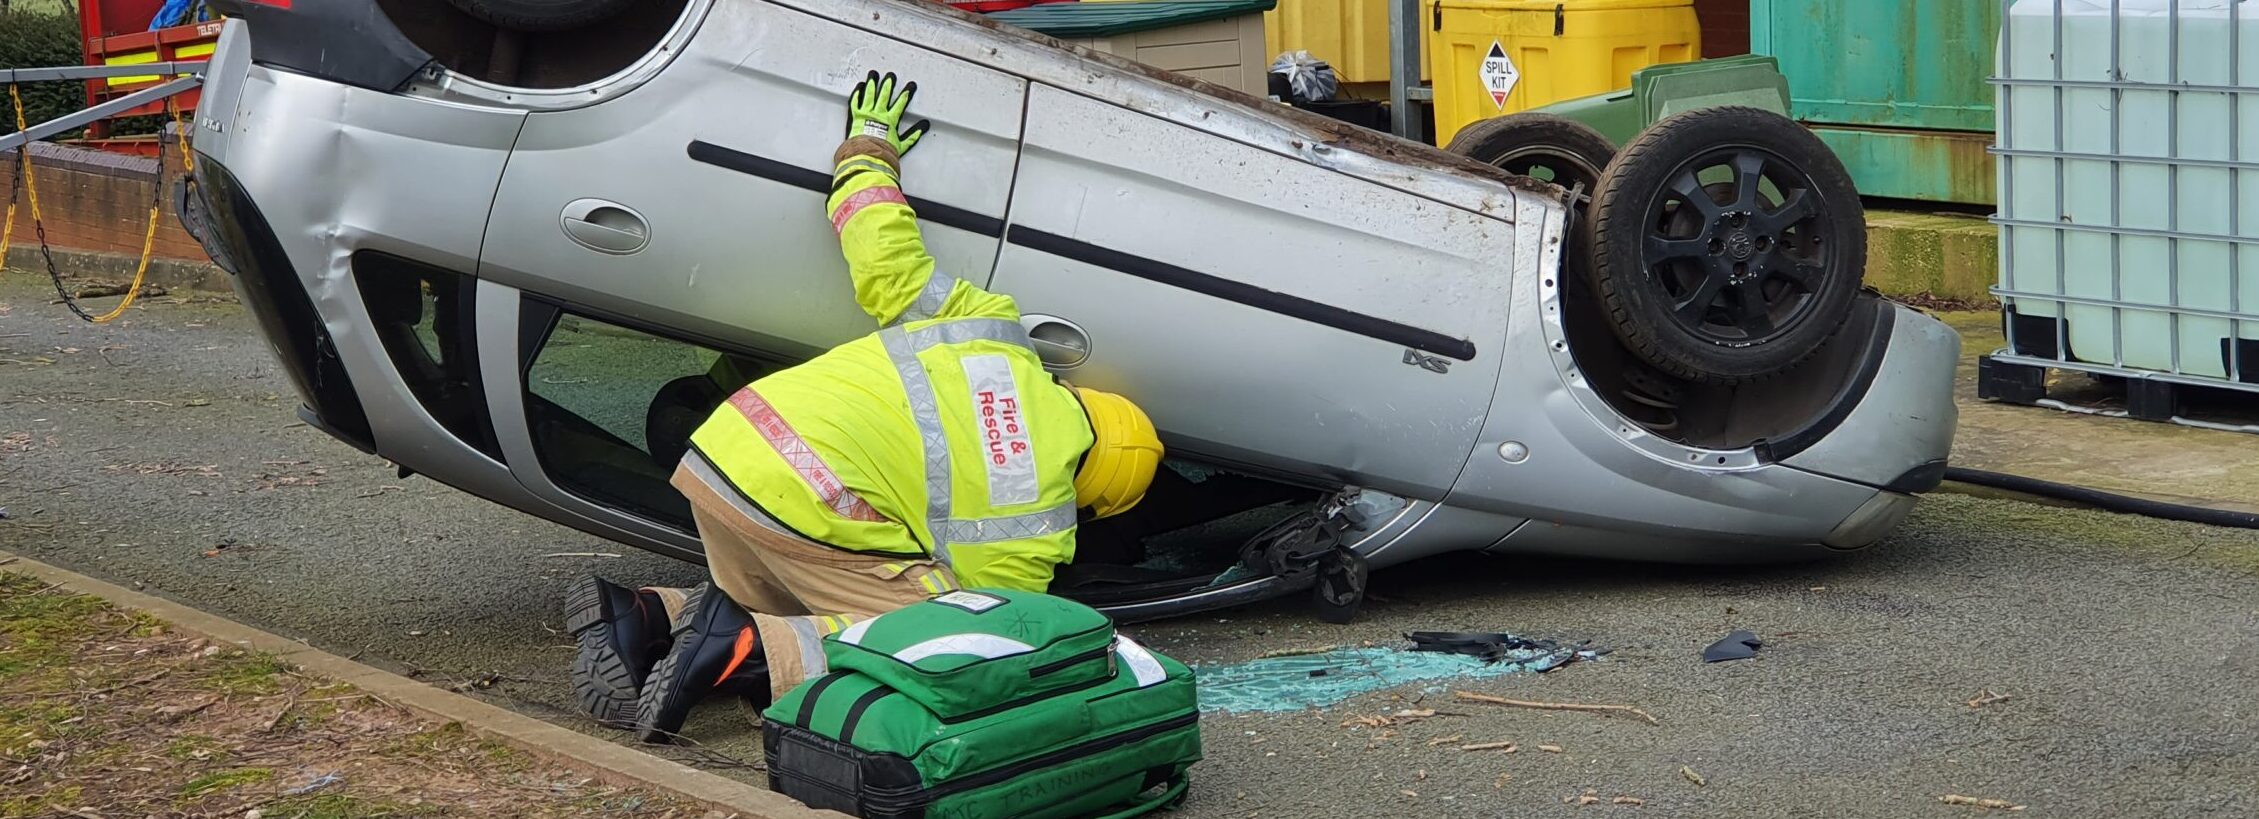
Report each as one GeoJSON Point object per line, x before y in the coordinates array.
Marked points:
{"type": "Point", "coordinates": [940, 435]}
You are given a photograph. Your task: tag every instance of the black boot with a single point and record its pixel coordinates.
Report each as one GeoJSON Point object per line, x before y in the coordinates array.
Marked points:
{"type": "Point", "coordinates": [622, 633]}
{"type": "Point", "coordinates": [716, 650]}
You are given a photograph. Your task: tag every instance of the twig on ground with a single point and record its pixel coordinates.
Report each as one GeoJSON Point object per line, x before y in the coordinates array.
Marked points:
{"type": "Point", "coordinates": [279, 715]}
{"type": "Point", "coordinates": [177, 713]}
{"type": "Point", "coordinates": [1985, 696]}
{"type": "Point", "coordinates": [580, 554]}
{"type": "Point", "coordinates": [1973, 802]}
{"type": "Point", "coordinates": [1491, 746]}
{"type": "Point", "coordinates": [1689, 775]}
{"type": "Point", "coordinates": [702, 754]}
{"type": "Point", "coordinates": [143, 680]}
{"type": "Point", "coordinates": [1295, 652]}
{"type": "Point", "coordinates": [1403, 717]}
{"type": "Point", "coordinates": [1486, 699]}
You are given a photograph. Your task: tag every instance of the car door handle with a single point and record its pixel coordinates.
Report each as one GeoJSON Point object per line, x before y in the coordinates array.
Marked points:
{"type": "Point", "coordinates": [1060, 343]}
{"type": "Point", "coordinates": [605, 227]}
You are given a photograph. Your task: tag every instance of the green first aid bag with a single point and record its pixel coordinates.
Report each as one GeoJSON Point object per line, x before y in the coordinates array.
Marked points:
{"type": "Point", "coordinates": [986, 704]}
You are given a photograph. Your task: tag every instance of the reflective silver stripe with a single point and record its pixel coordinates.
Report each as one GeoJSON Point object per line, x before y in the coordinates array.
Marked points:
{"type": "Point", "coordinates": [964, 330]}
{"type": "Point", "coordinates": [969, 644]}
{"type": "Point", "coordinates": [926, 411]}
{"type": "Point", "coordinates": [705, 472]}
{"type": "Point", "coordinates": [811, 637]}
{"type": "Point", "coordinates": [863, 163]}
{"type": "Point", "coordinates": [1142, 665]}
{"type": "Point", "coordinates": [931, 299]}
{"type": "Point", "coordinates": [902, 347]}
{"type": "Point", "coordinates": [990, 530]}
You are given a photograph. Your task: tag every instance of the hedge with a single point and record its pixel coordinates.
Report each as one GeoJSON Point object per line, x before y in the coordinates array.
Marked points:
{"type": "Point", "coordinates": [31, 39]}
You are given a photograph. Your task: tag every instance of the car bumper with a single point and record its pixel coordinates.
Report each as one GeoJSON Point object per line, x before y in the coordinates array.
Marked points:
{"type": "Point", "coordinates": [1593, 484]}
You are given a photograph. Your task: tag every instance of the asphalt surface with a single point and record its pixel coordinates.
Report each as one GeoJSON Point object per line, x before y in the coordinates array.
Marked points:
{"type": "Point", "coordinates": [162, 452]}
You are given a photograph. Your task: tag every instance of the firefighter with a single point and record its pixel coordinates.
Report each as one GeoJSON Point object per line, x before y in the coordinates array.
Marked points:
{"type": "Point", "coordinates": [933, 455]}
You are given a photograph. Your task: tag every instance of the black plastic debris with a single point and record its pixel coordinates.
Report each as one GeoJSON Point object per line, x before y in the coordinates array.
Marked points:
{"type": "Point", "coordinates": [1740, 645]}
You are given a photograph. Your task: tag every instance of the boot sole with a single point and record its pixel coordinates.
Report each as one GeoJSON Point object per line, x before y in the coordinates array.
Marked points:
{"type": "Point", "coordinates": [601, 679]}
{"type": "Point", "coordinates": [657, 699]}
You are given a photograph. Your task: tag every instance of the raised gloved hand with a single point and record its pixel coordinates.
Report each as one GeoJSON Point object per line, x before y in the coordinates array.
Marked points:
{"type": "Point", "coordinates": [876, 108]}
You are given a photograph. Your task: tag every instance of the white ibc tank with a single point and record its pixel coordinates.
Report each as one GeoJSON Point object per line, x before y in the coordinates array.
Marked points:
{"type": "Point", "coordinates": [2129, 179]}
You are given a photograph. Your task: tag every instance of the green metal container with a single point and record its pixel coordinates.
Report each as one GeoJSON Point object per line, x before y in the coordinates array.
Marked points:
{"type": "Point", "coordinates": [1659, 91]}
{"type": "Point", "coordinates": [1897, 87]}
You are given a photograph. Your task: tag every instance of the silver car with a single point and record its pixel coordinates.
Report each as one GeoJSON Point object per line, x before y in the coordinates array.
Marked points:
{"type": "Point", "coordinates": [527, 263]}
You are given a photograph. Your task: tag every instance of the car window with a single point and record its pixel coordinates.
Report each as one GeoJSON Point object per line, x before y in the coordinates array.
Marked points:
{"type": "Point", "coordinates": [611, 410]}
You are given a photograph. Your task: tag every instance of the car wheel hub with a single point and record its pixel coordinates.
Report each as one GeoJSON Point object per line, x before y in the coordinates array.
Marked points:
{"type": "Point", "coordinates": [1747, 279]}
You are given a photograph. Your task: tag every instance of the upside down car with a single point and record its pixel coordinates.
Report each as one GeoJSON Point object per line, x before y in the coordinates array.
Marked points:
{"type": "Point", "coordinates": [523, 247]}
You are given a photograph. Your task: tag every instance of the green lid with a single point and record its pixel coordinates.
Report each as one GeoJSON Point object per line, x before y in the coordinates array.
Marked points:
{"type": "Point", "coordinates": [1080, 21]}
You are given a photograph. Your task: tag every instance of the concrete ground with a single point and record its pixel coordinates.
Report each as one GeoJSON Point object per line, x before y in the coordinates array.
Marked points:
{"type": "Point", "coordinates": [2162, 461]}
{"type": "Point", "coordinates": [161, 452]}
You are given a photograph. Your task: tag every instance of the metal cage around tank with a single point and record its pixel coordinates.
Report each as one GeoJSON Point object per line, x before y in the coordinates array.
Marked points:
{"type": "Point", "coordinates": [2129, 206]}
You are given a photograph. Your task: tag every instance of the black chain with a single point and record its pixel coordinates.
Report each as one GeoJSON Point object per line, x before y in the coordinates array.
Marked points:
{"type": "Point", "coordinates": [39, 227]}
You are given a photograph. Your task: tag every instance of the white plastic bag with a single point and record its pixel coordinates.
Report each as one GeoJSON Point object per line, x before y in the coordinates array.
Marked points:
{"type": "Point", "coordinates": [1308, 78]}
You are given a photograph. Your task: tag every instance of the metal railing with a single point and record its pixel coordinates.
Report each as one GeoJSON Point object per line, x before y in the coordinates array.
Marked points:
{"type": "Point", "coordinates": [83, 117]}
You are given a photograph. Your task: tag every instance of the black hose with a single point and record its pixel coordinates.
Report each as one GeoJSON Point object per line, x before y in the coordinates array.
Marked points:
{"type": "Point", "coordinates": [2104, 500]}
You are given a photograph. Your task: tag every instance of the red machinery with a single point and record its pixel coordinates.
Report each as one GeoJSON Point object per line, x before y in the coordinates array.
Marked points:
{"type": "Point", "coordinates": [116, 32]}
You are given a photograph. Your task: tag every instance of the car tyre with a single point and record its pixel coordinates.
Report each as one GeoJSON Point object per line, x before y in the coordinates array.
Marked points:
{"type": "Point", "coordinates": [543, 15]}
{"type": "Point", "coordinates": [1727, 245]}
{"type": "Point", "coordinates": [1546, 147]}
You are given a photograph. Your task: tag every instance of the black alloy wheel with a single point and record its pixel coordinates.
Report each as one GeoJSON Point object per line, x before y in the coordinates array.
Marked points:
{"type": "Point", "coordinates": [1544, 147]}
{"type": "Point", "coordinates": [1728, 244]}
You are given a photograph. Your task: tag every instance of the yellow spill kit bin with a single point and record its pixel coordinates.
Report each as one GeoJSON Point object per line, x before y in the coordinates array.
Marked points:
{"type": "Point", "coordinates": [1350, 35]}
{"type": "Point", "coordinates": [1493, 57]}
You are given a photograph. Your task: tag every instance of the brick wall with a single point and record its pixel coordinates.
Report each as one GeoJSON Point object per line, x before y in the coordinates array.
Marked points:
{"type": "Point", "coordinates": [98, 201]}
{"type": "Point", "coordinates": [1725, 27]}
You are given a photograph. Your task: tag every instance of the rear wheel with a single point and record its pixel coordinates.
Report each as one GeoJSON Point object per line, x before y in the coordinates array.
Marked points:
{"type": "Point", "coordinates": [543, 15]}
{"type": "Point", "coordinates": [1728, 244]}
{"type": "Point", "coordinates": [1545, 147]}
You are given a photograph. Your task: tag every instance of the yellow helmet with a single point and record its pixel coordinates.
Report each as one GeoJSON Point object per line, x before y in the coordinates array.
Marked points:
{"type": "Point", "coordinates": [1124, 451]}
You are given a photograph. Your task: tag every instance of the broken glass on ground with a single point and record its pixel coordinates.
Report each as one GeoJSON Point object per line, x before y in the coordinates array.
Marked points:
{"type": "Point", "coordinates": [1303, 681]}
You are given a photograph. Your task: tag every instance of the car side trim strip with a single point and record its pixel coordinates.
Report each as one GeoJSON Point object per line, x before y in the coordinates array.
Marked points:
{"type": "Point", "coordinates": [1316, 312]}
{"type": "Point", "coordinates": [820, 182]}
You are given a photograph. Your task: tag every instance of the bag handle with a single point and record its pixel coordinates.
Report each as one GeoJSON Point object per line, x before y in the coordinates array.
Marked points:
{"type": "Point", "coordinates": [1174, 792]}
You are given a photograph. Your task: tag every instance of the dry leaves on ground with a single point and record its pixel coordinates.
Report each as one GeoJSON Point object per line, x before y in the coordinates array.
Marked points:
{"type": "Point", "coordinates": [110, 713]}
